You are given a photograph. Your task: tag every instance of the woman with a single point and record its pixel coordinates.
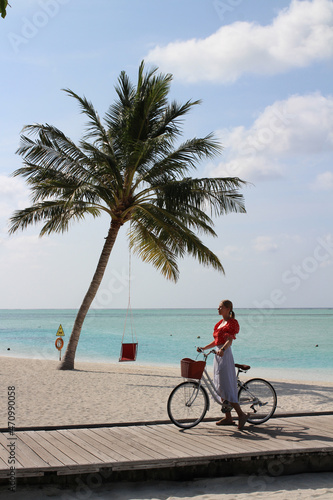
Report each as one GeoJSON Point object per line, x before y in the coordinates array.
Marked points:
{"type": "Point", "coordinates": [225, 379]}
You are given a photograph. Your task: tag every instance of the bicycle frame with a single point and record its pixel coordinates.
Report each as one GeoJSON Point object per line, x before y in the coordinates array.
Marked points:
{"type": "Point", "coordinates": [211, 387]}
{"type": "Point", "coordinates": [209, 384]}
{"type": "Point", "coordinates": [189, 401]}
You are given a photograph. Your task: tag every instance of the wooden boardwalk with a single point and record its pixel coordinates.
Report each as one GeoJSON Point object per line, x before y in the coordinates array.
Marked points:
{"type": "Point", "coordinates": [281, 446]}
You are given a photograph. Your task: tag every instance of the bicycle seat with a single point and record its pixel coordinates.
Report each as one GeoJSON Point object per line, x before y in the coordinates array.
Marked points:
{"type": "Point", "coordinates": [244, 368]}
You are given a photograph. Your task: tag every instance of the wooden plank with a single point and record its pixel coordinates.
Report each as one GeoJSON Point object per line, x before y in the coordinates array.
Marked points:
{"type": "Point", "coordinates": [5, 439]}
{"type": "Point", "coordinates": [113, 443]}
{"type": "Point", "coordinates": [77, 453]}
{"type": "Point", "coordinates": [216, 438]}
{"type": "Point", "coordinates": [3, 456]}
{"type": "Point", "coordinates": [97, 439]}
{"type": "Point", "coordinates": [214, 449]}
{"type": "Point", "coordinates": [131, 445]}
{"type": "Point", "coordinates": [169, 449]}
{"type": "Point", "coordinates": [174, 445]}
{"type": "Point", "coordinates": [306, 435]}
{"type": "Point", "coordinates": [83, 439]}
{"type": "Point", "coordinates": [194, 436]}
{"type": "Point", "coordinates": [47, 441]}
{"type": "Point", "coordinates": [29, 458]}
{"type": "Point", "coordinates": [28, 438]}
{"type": "Point", "coordinates": [154, 443]}
{"type": "Point", "coordinates": [231, 445]}
{"type": "Point", "coordinates": [78, 469]}
{"type": "Point", "coordinates": [246, 443]}
{"type": "Point", "coordinates": [204, 441]}
{"type": "Point", "coordinates": [322, 425]}
{"type": "Point", "coordinates": [64, 446]}
{"type": "Point", "coordinates": [303, 436]}
{"type": "Point", "coordinates": [135, 436]}
{"type": "Point", "coordinates": [184, 446]}
{"type": "Point", "coordinates": [318, 419]}
{"type": "Point", "coordinates": [22, 473]}
{"type": "Point", "coordinates": [282, 436]}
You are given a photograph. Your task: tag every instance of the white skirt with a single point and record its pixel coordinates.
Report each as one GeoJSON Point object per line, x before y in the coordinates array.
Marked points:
{"type": "Point", "coordinates": [225, 379]}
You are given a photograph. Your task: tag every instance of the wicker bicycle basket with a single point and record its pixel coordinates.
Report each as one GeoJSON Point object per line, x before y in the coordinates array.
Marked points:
{"type": "Point", "coordinates": [192, 369]}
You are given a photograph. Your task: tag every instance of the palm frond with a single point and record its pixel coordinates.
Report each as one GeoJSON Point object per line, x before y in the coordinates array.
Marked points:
{"type": "Point", "coordinates": [174, 233]}
{"type": "Point", "coordinates": [219, 195]}
{"type": "Point", "coordinates": [94, 127]}
{"type": "Point", "coordinates": [52, 149]}
{"type": "Point", "coordinates": [168, 163]}
{"type": "Point", "coordinates": [56, 216]}
{"type": "Point", "coordinates": [153, 250]}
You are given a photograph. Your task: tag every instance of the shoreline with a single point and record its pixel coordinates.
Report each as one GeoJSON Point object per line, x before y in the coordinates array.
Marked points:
{"type": "Point", "coordinates": [103, 393]}
{"type": "Point", "coordinates": [297, 375]}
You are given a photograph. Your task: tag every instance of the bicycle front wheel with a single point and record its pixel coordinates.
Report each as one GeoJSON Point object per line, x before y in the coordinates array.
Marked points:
{"type": "Point", "coordinates": [187, 404]}
{"type": "Point", "coordinates": [258, 398]}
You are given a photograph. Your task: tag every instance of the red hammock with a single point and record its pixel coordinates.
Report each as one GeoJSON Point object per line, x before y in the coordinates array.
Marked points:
{"type": "Point", "coordinates": [129, 351]}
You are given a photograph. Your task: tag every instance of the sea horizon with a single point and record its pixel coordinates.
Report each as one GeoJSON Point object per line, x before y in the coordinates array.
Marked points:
{"type": "Point", "coordinates": [296, 341]}
{"type": "Point", "coordinates": [153, 308]}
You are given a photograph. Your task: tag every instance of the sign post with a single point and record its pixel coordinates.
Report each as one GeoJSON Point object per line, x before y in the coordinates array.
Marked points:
{"type": "Point", "coordinates": [59, 343]}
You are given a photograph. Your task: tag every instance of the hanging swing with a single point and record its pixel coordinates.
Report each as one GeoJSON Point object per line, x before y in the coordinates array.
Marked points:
{"type": "Point", "coordinates": [129, 351]}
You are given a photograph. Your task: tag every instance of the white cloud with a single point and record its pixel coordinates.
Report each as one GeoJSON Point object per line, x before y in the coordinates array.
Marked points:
{"type": "Point", "coordinates": [298, 126]}
{"type": "Point", "coordinates": [264, 244]}
{"type": "Point", "coordinates": [26, 249]}
{"type": "Point", "coordinates": [298, 36]}
{"type": "Point", "coordinates": [232, 252]}
{"type": "Point", "coordinates": [323, 182]}
{"type": "Point", "coordinates": [13, 195]}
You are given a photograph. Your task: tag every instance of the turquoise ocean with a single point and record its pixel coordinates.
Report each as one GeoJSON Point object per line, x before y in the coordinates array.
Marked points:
{"type": "Point", "coordinates": [277, 343]}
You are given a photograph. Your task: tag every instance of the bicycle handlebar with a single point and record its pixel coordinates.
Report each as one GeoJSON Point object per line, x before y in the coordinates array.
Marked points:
{"type": "Point", "coordinates": [201, 351]}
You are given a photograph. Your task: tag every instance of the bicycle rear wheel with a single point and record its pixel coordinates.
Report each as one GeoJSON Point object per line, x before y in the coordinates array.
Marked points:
{"type": "Point", "coordinates": [258, 398]}
{"type": "Point", "coordinates": [187, 404]}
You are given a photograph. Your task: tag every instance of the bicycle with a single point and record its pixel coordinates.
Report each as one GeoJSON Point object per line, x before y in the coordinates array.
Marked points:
{"type": "Point", "coordinates": [189, 402]}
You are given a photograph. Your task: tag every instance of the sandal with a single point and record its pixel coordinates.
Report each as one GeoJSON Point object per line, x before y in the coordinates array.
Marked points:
{"type": "Point", "coordinates": [242, 421]}
{"type": "Point", "coordinates": [223, 421]}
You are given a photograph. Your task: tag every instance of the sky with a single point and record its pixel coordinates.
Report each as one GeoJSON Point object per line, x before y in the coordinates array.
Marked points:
{"type": "Point", "coordinates": [263, 71]}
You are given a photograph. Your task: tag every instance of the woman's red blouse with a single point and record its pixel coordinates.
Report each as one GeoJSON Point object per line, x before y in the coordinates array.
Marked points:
{"type": "Point", "coordinates": [226, 332]}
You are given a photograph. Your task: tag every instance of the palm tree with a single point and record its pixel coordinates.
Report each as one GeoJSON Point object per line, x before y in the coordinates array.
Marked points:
{"type": "Point", "coordinates": [3, 7]}
{"type": "Point", "coordinates": [131, 169]}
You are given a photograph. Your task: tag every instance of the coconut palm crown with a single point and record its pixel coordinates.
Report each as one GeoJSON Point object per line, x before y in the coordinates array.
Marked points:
{"type": "Point", "coordinates": [132, 167]}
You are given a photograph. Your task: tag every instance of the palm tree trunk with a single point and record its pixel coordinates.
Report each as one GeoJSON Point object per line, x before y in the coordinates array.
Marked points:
{"type": "Point", "coordinates": [68, 360]}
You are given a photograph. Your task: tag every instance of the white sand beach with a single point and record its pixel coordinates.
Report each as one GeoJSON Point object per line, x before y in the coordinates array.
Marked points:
{"type": "Point", "coordinates": [111, 393]}
{"type": "Point", "coordinates": [297, 487]}
{"type": "Point", "coordinates": [122, 392]}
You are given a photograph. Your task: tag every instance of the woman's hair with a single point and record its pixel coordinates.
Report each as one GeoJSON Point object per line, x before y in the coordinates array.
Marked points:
{"type": "Point", "coordinates": [228, 305]}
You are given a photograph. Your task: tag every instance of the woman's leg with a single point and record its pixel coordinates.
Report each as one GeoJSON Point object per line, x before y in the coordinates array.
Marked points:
{"type": "Point", "coordinates": [227, 419]}
{"type": "Point", "coordinates": [242, 417]}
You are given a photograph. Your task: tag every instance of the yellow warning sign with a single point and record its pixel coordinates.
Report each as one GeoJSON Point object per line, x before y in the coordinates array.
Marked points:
{"type": "Point", "coordinates": [60, 332]}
